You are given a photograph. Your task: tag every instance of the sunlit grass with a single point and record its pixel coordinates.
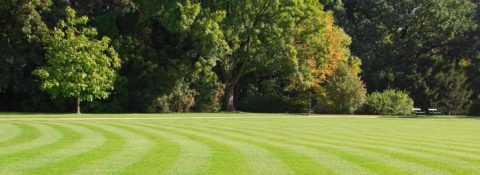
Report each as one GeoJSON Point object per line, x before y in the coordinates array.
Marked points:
{"type": "Point", "coordinates": [245, 143]}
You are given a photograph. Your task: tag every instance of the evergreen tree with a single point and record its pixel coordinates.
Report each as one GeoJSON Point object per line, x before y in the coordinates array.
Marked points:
{"type": "Point", "coordinates": [453, 92]}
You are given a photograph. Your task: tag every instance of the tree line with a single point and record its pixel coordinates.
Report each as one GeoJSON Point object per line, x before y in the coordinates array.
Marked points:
{"type": "Point", "coordinates": [249, 55]}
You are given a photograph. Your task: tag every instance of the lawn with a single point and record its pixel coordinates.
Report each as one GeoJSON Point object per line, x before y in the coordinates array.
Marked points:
{"type": "Point", "coordinates": [237, 144]}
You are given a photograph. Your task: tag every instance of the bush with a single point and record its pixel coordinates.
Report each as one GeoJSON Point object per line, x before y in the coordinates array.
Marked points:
{"type": "Point", "coordinates": [208, 99]}
{"type": "Point", "coordinates": [342, 93]}
{"type": "Point", "coordinates": [207, 85]}
{"type": "Point", "coordinates": [389, 102]}
{"type": "Point", "coordinates": [210, 92]}
{"type": "Point", "coordinates": [180, 99]}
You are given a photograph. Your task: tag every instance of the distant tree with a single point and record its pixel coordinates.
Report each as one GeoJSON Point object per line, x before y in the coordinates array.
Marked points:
{"type": "Point", "coordinates": [404, 44]}
{"type": "Point", "coordinates": [454, 93]}
{"type": "Point", "coordinates": [78, 65]}
{"type": "Point", "coordinates": [21, 32]}
{"type": "Point", "coordinates": [22, 29]}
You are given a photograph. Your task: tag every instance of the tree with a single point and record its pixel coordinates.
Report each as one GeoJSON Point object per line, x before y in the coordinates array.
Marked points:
{"type": "Point", "coordinates": [404, 44]}
{"type": "Point", "coordinates": [78, 65]}
{"type": "Point", "coordinates": [21, 32]}
{"type": "Point", "coordinates": [344, 92]}
{"type": "Point", "coordinates": [454, 94]}
{"type": "Point", "coordinates": [248, 35]}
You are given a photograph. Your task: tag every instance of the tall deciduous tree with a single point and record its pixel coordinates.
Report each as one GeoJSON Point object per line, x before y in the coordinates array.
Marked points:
{"type": "Point", "coordinates": [78, 65]}
{"type": "Point", "coordinates": [247, 35]}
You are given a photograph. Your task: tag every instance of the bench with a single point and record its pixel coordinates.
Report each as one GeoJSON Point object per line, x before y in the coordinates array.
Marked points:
{"type": "Point", "coordinates": [418, 111]}
{"type": "Point", "coordinates": [433, 111]}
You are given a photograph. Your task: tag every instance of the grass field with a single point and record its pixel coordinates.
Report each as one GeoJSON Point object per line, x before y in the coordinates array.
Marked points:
{"type": "Point", "coordinates": [243, 144]}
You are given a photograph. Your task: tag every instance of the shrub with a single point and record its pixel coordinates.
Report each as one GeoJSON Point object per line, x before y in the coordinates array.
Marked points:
{"type": "Point", "coordinates": [208, 86]}
{"type": "Point", "coordinates": [343, 92]}
{"type": "Point", "coordinates": [389, 102]}
{"type": "Point", "coordinates": [180, 99]}
{"type": "Point", "coordinates": [208, 99]}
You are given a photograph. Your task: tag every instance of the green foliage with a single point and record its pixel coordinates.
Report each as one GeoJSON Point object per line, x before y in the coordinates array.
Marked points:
{"type": "Point", "coordinates": [280, 52]}
{"type": "Point", "coordinates": [246, 36]}
{"type": "Point", "coordinates": [454, 93]}
{"type": "Point", "coordinates": [209, 93]}
{"type": "Point", "coordinates": [403, 44]}
{"type": "Point", "coordinates": [344, 92]}
{"type": "Point", "coordinates": [207, 85]}
{"type": "Point", "coordinates": [143, 79]}
{"type": "Point", "coordinates": [180, 99]}
{"type": "Point", "coordinates": [22, 30]}
{"type": "Point", "coordinates": [389, 102]}
{"type": "Point", "coordinates": [208, 98]}
{"type": "Point", "coordinates": [78, 65]}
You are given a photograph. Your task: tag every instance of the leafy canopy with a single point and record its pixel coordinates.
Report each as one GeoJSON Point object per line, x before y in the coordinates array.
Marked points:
{"type": "Point", "coordinates": [78, 65]}
{"type": "Point", "coordinates": [245, 36]}
{"type": "Point", "coordinates": [410, 44]}
{"type": "Point", "coordinates": [21, 32]}
{"type": "Point", "coordinates": [344, 92]}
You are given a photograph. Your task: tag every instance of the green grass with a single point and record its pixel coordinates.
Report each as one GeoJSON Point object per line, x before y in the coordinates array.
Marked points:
{"type": "Point", "coordinates": [237, 143]}
{"type": "Point", "coordinates": [166, 115]}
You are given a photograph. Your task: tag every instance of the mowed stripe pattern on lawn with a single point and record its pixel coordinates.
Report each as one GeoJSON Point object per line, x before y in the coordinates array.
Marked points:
{"type": "Point", "coordinates": [241, 146]}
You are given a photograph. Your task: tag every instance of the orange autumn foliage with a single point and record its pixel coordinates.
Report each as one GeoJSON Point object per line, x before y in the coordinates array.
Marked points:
{"type": "Point", "coordinates": [320, 54]}
{"type": "Point", "coordinates": [336, 49]}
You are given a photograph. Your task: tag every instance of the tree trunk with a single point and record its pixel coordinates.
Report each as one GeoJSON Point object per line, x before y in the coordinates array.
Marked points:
{"type": "Point", "coordinates": [228, 104]}
{"type": "Point", "coordinates": [78, 105]}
